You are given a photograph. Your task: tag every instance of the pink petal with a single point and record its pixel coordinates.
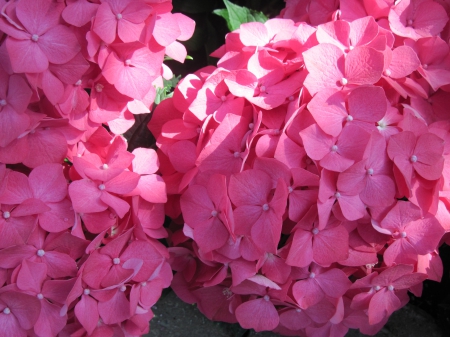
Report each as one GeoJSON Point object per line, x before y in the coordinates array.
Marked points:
{"type": "Point", "coordinates": [382, 305]}
{"type": "Point", "coordinates": [328, 109]}
{"type": "Point", "coordinates": [105, 23]}
{"type": "Point", "coordinates": [259, 314]}
{"type": "Point", "coordinates": [26, 56]}
{"type": "Point", "coordinates": [253, 34]}
{"type": "Point", "coordinates": [85, 196]}
{"type": "Point", "coordinates": [367, 104]}
{"type": "Point", "coordinates": [364, 65]}
{"type": "Point", "coordinates": [325, 64]}
{"type": "Point", "coordinates": [117, 204]}
{"type": "Point", "coordinates": [48, 183]}
{"type": "Point", "coordinates": [330, 245]}
{"type": "Point", "coordinates": [59, 44]}
{"type": "Point", "coordinates": [404, 62]}
{"type": "Point", "coordinates": [86, 311]}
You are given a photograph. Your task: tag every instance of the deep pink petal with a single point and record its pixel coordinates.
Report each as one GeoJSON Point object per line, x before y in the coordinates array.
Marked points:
{"type": "Point", "coordinates": [259, 314]}
{"type": "Point", "coordinates": [59, 44]}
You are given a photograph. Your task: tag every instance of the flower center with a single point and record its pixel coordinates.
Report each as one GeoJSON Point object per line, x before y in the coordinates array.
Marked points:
{"type": "Point", "coordinates": [99, 87]}
{"type": "Point", "coordinates": [266, 298]}
{"type": "Point", "coordinates": [86, 291]}
{"type": "Point", "coordinates": [7, 311]}
{"type": "Point", "coordinates": [344, 81]}
{"type": "Point", "coordinates": [236, 154]}
{"type": "Point", "coordinates": [370, 171]}
{"type": "Point", "coordinates": [123, 288]}
{"type": "Point", "coordinates": [143, 284]}
{"type": "Point", "coordinates": [35, 37]}
{"type": "Point", "coordinates": [40, 253]}
{"type": "Point", "coordinates": [410, 22]}
{"type": "Point", "coordinates": [101, 187]}
{"type": "Point", "coordinates": [337, 195]}
{"type": "Point", "coordinates": [251, 126]}
{"type": "Point", "coordinates": [78, 83]}
{"type": "Point", "coordinates": [116, 260]}
{"type": "Point", "coordinates": [298, 310]}
{"type": "Point", "coordinates": [290, 189]}
{"type": "Point", "coordinates": [349, 118]}
{"type": "Point", "coordinates": [425, 66]}
{"type": "Point", "coordinates": [223, 98]}
{"type": "Point", "coordinates": [6, 215]}
{"type": "Point", "coordinates": [214, 213]}
{"type": "Point", "coordinates": [40, 296]}
{"type": "Point", "coordinates": [127, 62]}
{"type": "Point", "coordinates": [377, 288]}
{"type": "Point", "coordinates": [119, 16]}
{"type": "Point", "coordinates": [265, 207]}
{"type": "Point", "coordinates": [403, 234]}
{"type": "Point", "coordinates": [2, 102]}
{"type": "Point", "coordinates": [315, 231]}
{"type": "Point", "coordinates": [334, 148]}
{"type": "Point", "coordinates": [262, 88]}
{"type": "Point", "coordinates": [312, 275]}
{"type": "Point", "coordinates": [391, 287]}
{"type": "Point", "coordinates": [413, 158]}
{"type": "Point", "coordinates": [105, 167]}
{"type": "Point", "coordinates": [387, 72]}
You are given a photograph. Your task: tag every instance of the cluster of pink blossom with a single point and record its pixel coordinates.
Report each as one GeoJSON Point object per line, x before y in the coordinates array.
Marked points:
{"type": "Point", "coordinates": [80, 216]}
{"type": "Point", "coordinates": [308, 175]}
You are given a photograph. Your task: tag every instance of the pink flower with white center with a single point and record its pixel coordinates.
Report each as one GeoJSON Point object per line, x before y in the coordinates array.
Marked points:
{"type": "Point", "coordinates": [318, 283]}
{"type": "Point", "coordinates": [322, 246]}
{"type": "Point", "coordinates": [421, 154]}
{"type": "Point", "coordinates": [387, 291]}
{"type": "Point", "coordinates": [124, 18]}
{"type": "Point", "coordinates": [207, 210]}
{"type": "Point", "coordinates": [329, 67]}
{"type": "Point", "coordinates": [417, 18]}
{"type": "Point", "coordinates": [15, 94]}
{"type": "Point", "coordinates": [36, 38]}
{"type": "Point", "coordinates": [32, 279]}
{"type": "Point", "coordinates": [18, 312]}
{"type": "Point", "coordinates": [258, 209]}
{"type": "Point", "coordinates": [372, 177]}
{"type": "Point", "coordinates": [335, 153]}
{"type": "Point", "coordinates": [434, 58]}
{"type": "Point", "coordinates": [411, 233]}
{"type": "Point", "coordinates": [348, 35]}
{"type": "Point", "coordinates": [333, 109]}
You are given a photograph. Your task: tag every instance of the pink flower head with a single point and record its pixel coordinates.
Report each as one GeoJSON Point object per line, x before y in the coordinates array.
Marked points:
{"type": "Point", "coordinates": [36, 38]}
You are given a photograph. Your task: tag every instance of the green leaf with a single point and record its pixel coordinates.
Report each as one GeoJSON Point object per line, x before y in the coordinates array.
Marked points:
{"type": "Point", "coordinates": [166, 92]}
{"type": "Point", "coordinates": [236, 15]}
{"type": "Point", "coordinates": [223, 12]}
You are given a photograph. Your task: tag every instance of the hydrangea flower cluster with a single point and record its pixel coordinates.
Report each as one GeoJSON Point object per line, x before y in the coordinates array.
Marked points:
{"type": "Point", "coordinates": [308, 174]}
{"type": "Point", "coordinates": [80, 216]}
